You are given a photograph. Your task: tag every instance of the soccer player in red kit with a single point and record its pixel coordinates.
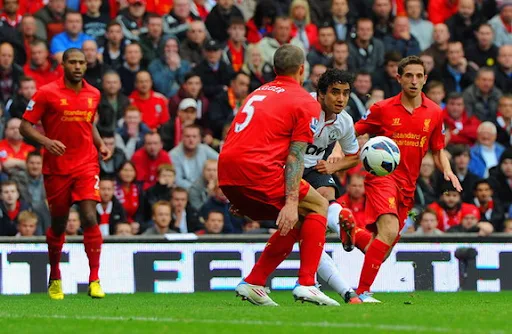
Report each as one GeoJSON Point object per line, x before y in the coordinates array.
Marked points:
{"type": "Point", "coordinates": [66, 109]}
{"type": "Point", "coordinates": [415, 123]}
{"type": "Point", "coordinates": [260, 171]}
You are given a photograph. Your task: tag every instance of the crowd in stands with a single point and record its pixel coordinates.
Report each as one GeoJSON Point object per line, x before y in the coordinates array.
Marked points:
{"type": "Point", "coordinates": [173, 73]}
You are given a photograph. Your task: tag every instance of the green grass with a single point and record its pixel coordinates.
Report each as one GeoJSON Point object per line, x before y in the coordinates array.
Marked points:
{"type": "Point", "coordinates": [424, 312]}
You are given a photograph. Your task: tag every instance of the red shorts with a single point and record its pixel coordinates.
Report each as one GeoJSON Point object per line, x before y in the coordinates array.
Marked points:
{"type": "Point", "coordinates": [64, 190]}
{"type": "Point", "coordinates": [384, 196]}
{"type": "Point", "coordinates": [261, 203]}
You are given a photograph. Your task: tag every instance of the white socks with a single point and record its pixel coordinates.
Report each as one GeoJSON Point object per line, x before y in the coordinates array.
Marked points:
{"type": "Point", "coordinates": [328, 271]}
{"type": "Point", "coordinates": [333, 217]}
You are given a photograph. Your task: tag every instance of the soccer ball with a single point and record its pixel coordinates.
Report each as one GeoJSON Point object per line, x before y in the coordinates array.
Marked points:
{"type": "Point", "coordinates": [380, 156]}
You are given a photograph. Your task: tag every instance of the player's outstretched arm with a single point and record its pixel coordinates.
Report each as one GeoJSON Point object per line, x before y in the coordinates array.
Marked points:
{"type": "Point", "coordinates": [443, 164]}
{"type": "Point", "coordinates": [100, 145]}
{"type": "Point", "coordinates": [53, 146]}
{"type": "Point", "coordinates": [347, 162]}
{"type": "Point", "coordinates": [289, 214]}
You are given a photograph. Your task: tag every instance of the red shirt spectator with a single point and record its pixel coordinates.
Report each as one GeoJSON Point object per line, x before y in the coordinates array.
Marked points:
{"type": "Point", "coordinates": [148, 158]}
{"type": "Point", "coordinates": [462, 128]}
{"type": "Point", "coordinates": [11, 13]}
{"type": "Point", "coordinates": [13, 150]}
{"type": "Point", "coordinates": [355, 199]}
{"type": "Point", "coordinates": [27, 6]}
{"type": "Point", "coordinates": [41, 68]}
{"type": "Point", "coordinates": [441, 10]}
{"type": "Point", "coordinates": [153, 105]}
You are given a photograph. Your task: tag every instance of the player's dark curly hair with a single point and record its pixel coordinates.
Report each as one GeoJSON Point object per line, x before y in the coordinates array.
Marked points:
{"type": "Point", "coordinates": [334, 76]}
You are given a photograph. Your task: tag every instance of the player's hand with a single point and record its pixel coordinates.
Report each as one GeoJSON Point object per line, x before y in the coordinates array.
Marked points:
{"type": "Point", "coordinates": [324, 167]}
{"type": "Point", "coordinates": [105, 152]}
{"type": "Point", "coordinates": [334, 158]}
{"type": "Point", "coordinates": [55, 147]}
{"type": "Point", "coordinates": [288, 217]}
{"type": "Point", "coordinates": [449, 176]}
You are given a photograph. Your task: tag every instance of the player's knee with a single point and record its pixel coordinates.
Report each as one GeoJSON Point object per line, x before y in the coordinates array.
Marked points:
{"type": "Point", "coordinates": [388, 228]}
{"type": "Point", "coordinates": [322, 206]}
{"type": "Point", "coordinates": [89, 219]}
{"type": "Point", "coordinates": [327, 192]}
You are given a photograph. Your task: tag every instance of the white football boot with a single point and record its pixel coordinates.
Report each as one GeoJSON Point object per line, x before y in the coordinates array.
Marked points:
{"type": "Point", "coordinates": [312, 294]}
{"type": "Point", "coordinates": [255, 294]}
{"type": "Point", "coordinates": [367, 297]}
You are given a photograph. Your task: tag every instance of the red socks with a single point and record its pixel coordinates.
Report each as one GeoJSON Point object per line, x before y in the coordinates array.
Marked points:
{"type": "Point", "coordinates": [312, 240]}
{"type": "Point", "coordinates": [276, 251]}
{"type": "Point", "coordinates": [92, 245]}
{"type": "Point", "coordinates": [372, 262]}
{"type": "Point", "coordinates": [362, 238]}
{"type": "Point", "coordinates": [55, 243]}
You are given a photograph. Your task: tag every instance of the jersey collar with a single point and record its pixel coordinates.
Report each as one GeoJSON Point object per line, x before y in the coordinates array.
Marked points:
{"type": "Point", "coordinates": [285, 78]}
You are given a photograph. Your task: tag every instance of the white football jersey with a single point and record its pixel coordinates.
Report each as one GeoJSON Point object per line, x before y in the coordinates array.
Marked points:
{"type": "Point", "coordinates": [340, 129]}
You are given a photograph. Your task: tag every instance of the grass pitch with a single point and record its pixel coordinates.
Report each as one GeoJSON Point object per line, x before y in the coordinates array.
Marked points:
{"type": "Point", "coordinates": [423, 312]}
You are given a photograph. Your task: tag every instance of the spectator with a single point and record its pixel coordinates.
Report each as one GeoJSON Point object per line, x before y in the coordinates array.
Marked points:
{"type": "Point", "coordinates": [134, 19]}
{"type": "Point", "coordinates": [169, 70]}
{"type": "Point", "coordinates": [123, 230]}
{"type": "Point", "coordinates": [455, 73]}
{"type": "Point", "coordinates": [339, 19]}
{"type": "Point", "coordinates": [95, 67]}
{"type": "Point", "coordinates": [130, 68]}
{"type": "Point", "coordinates": [29, 33]}
{"type": "Point", "coordinates": [382, 18]}
{"type": "Point", "coordinates": [385, 78]}
{"type": "Point", "coordinates": [504, 120]}
{"type": "Point", "coordinates": [482, 97]}
{"type": "Point", "coordinates": [172, 131]}
{"type": "Point", "coordinates": [192, 87]}
{"type": "Point", "coordinates": [152, 42]}
{"type": "Point", "coordinates": [161, 191]}
{"type": "Point", "coordinates": [460, 156]}
{"type": "Point", "coordinates": [161, 219]}
{"type": "Point", "coordinates": [501, 178]}
{"type": "Point", "coordinates": [42, 68]}
{"type": "Point", "coordinates": [259, 71]}
{"type": "Point", "coordinates": [261, 24]}
{"type": "Point", "coordinates": [176, 23]}
{"type": "Point", "coordinates": [129, 193]}
{"type": "Point", "coordinates": [340, 55]}
{"type": "Point", "coordinates": [428, 224]}
{"type": "Point", "coordinates": [470, 223]}
{"type": "Point", "coordinates": [27, 224]}
{"type": "Point", "coordinates": [214, 223]}
{"type": "Point", "coordinates": [281, 34]}
{"type": "Point", "coordinates": [465, 22]}
{"type": "Point", "coordinates": [71, 37]}
{"type": "Point", "coordinates": [109, 211]}
{"type": "Point", "coordinates": [95, 21]}
{"type": "Point", "coordinates": [426, 193]}
{"type": "Point", "coordinates": [435, 91]}
{"type": "Point", "coordinates": [112, 165]}
{"type": "Point", "coordinates": [421, 29]}
{"type": "Point", "coordinates": [226, 105]}
{"type": "Point", "coordinates": [234, 52]}
{"type": "Point", "coordinates": [311, 84]}
{"type": "Point", "coordinates": [201, 8]}
{"type": "Point", "coordinates": [428, 62]}
{"type": "Point", "coordinates": [356, 106]}
{"type": "Point", "coordinates": [219, 17]}
{"type": "Point", "coordinates": [10, 205]}
{"type": "Point", "coordinates": [10, 73]}
{"type": "Point", "coordinates": [153, 104]}
{"type": "Point", "coordinates": [366, 52]}
{"type": "Point", "coordinates": [190, 156]}
{"type": "Point", "coordinates": [13, 150]}
{"type": "Point", "coordinates": [302, 28]}
{"type": "Point", "coordinates": [483, 52]}
{"type": "Point", "coordinates": [147, 159]}
{"type": "Point", "coordinates": [502, 33]}
{"type": "Point", "coordinates": [376, 95]}
{"type": "Point", "coordinates": [508, 226]}
{"type": "Point", "coordinates": [191, 49]}
{"type": "Point", "coordinates": [401, 39]}
{"type": "Point", "coordinates": [439, 47]}
{"type": "Point", "coordinates": [73, 224]}
{"type": "Point", "coordinates": [322, 52]}
{"type": "Point", "coordinates": [490, 207]}
{"type": "Point", "coordinates": [219, 202]}
{"type": "Point", "coordinates": [186, 219]}
{"type": "Point", "coordinates": [462, 127]}
{"type": "Point", "coordinates": [13, 37]}
{"type": "Point", "coordinates": [50, 19]}
{"type": "Point", "coordinates": [32, 190]}
{"type": "Point", "coordinates": [355, 198]}
{"type": "Point", "coordinates": [486, 153]}
{"type": "Point", "coordinates": [130, 137]}
{"type": "Point", "coordinates": [113, 103]}
{"type": "Point", "coordinates": [114, 49]}
{"type": "Point", "coordinates": [214, 72]}
{"type": "Point", "coordinates": [503, 69]}
{"type": "Point", "coordinates": [203, 188]}
{"type": "Point", "coordinates": [10, 13]}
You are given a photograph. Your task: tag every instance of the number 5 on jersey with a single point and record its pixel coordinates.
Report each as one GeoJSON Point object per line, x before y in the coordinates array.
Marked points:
{"type": "Point", "coordinates": [249, 110]}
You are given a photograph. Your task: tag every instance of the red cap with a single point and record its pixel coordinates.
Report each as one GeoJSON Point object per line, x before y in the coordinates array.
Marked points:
{"type": "Point", "coordinates": [470, 209]}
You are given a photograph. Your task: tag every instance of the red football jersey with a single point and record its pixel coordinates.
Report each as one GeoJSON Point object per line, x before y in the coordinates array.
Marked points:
{"type": "Point", "coordinates": [67, 117]}
{"type": "Point", "coordinates": [154, 109]}
{"type": "Point", "coordinates": [414, 133]}
{"type": "Point", "coordinates": [258, 141]}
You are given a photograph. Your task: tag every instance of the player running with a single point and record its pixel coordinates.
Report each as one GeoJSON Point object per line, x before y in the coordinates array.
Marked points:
{"type": "Point", "coordinates": [415, 123]}
{"type": "Point", "coordinates": [260, 171]}
{"type": "Point", "coordinates": [66, 108]}
{"type": "Point", "coordinates": [335, 127]}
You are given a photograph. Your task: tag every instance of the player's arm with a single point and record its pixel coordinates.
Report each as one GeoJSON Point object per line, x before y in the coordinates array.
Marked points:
{"type": "Point", "coordinates": [28, 131]}
{"type": "Point", "coordinates": [336, 154]}
{"type": "Point", "coordinates": [443, 164]}
{"type": "Point", "coordinates": [100, 145]}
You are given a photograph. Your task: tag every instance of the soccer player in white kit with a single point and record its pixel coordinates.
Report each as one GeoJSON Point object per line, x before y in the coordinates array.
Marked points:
{"type": "Point", "coordinates": [333, 132]}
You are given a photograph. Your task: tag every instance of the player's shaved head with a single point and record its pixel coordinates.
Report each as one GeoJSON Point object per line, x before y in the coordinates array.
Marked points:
{"type": "Point", "coordinates": [70, 51]}
{"type": "Point", "coordinates": [288, 59]}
